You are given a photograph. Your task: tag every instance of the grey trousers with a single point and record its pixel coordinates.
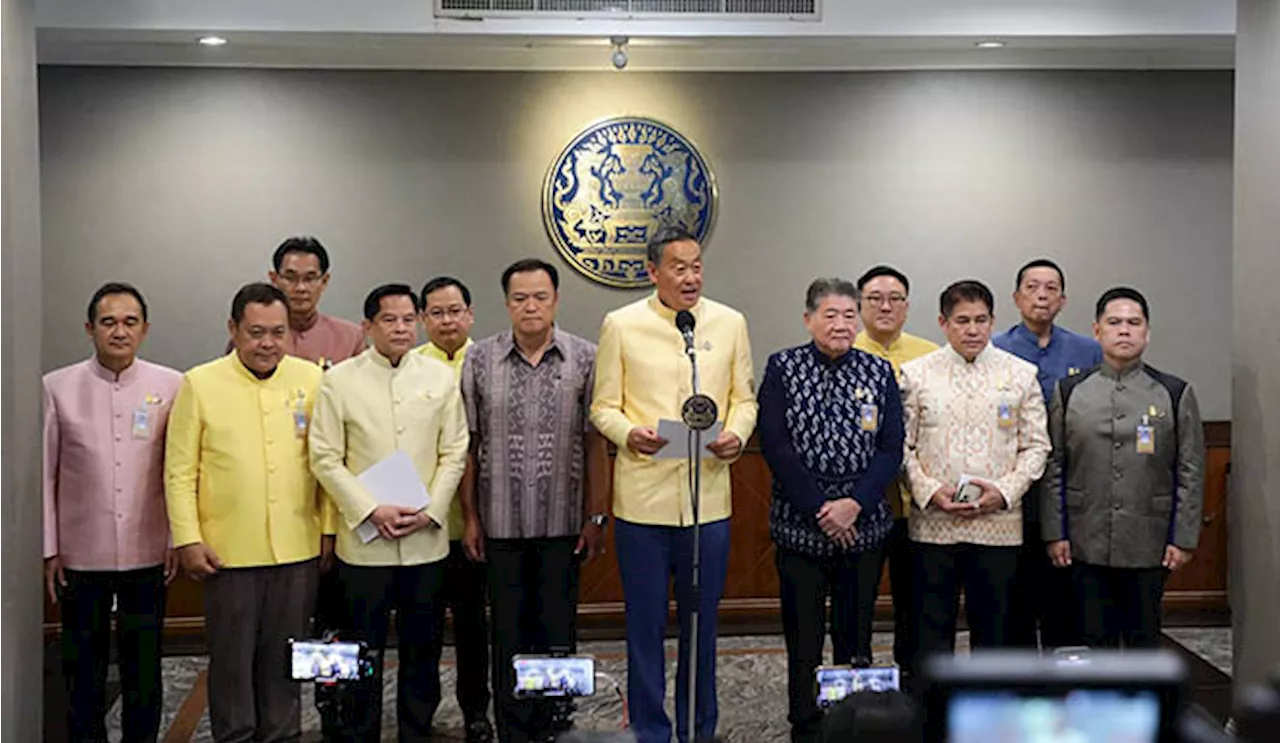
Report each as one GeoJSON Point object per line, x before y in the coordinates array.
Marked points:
{"type": "Point", "coordinates": [250, 615]}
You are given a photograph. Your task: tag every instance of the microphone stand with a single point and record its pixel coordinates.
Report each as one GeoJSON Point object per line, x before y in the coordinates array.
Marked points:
{"type": "Point", "coordinates": [695, 491]}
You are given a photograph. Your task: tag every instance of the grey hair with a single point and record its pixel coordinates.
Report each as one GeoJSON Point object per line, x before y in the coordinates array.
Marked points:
{"type": "Point", "coordinates": [823, 288]}
{"type": "Point", "coordinates": [667, 234]}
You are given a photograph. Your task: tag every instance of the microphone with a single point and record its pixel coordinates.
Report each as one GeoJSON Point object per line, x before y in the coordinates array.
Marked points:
{"type": "Point", "coordinates": [699, 411]}
{"type": "Point", "coordinates": [685, 322]}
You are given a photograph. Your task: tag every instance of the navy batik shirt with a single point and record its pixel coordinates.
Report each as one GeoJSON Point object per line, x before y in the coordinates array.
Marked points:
{"type": "Point", "coordinates": [811, 412]}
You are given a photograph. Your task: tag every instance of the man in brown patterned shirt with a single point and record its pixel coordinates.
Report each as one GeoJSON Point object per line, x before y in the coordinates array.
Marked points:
{"type": "Point", "coordinates": [530, 512]}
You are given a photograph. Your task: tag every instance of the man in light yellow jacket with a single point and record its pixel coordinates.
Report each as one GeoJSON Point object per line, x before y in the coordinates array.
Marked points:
{"type": "Point", "coordinates": [643, 376]}
{"type": "Point", "coordinates": [244, 512]}
{"type": "Point", "coordinates": [383, 401]}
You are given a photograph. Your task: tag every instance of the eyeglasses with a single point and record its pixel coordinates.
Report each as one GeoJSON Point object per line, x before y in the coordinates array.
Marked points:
{"type": "Point", "coordinates": [439, 313]}
{"type": "Point", "coordinates": [875, 300]}
{"type": "Point", "coordinates": [293, 279]}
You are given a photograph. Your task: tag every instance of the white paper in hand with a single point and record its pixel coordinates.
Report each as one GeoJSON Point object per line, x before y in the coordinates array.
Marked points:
{"type": "Point", "coordinates": [678, 440]}
{"type": "Point", "coordinates": [392, 482]}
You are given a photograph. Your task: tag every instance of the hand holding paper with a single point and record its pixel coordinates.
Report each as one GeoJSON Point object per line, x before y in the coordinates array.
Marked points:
{"type": "Point", "coordinates": [678, 439]}
{"type": "Point", "coordinates": [398, 490]}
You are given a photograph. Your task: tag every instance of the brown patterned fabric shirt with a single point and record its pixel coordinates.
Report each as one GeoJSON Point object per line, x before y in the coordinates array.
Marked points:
{"type": "Point", "coordinates": [528, 423]}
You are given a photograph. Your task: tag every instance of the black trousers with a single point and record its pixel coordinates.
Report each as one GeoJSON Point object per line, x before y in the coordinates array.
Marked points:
{"type": "Point", "coordinates": [1044, 611]}
{"type": "Point", "coordinates": [985, 573]}
{"type": "Point", "coordinates": [86, 649]}
{"type": "Point", "coordinates": [533, 592]}
{"type": "Point", "coordinates": [1120, 606]}
{"type": "Point", "coordinates": [413, 591]}
{"type": "Point", "coordinates": [330, 614]}
{"type": "Point", "coordinates": [852, 580]}
{"type": "Point", "coordinates": [463, 592]}
{"type": "Point", "coordinates": [902, 571]}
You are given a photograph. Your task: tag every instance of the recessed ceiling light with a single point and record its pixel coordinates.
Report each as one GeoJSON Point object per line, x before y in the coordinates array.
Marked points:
{"type": "Point", "coordinates": [212, 40]}
{"type": "Point", "coordinates": [990, 44]}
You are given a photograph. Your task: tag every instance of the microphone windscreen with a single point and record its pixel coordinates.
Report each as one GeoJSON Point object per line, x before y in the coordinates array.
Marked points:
{"type": "Point", "coordinates": [685, 321]}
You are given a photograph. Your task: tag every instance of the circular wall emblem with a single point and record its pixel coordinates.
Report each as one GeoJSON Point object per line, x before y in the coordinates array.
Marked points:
{"type": "Point", "coordinates": [614, 185]}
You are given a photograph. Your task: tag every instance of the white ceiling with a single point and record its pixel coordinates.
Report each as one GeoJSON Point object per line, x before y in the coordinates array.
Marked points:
{"type": "Point", "coordinates": [852, 34]}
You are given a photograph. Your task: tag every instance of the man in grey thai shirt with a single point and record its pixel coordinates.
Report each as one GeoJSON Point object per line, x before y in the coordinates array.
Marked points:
{"type": "Point", "coordinates": [1122, 493]}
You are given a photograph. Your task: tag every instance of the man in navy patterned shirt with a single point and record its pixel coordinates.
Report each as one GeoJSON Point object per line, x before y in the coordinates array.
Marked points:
{"type": "Point", "coordinates": [832, 433]}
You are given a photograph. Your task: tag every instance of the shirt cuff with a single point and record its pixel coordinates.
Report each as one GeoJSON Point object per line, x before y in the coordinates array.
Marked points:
{"type": "Point", "coordinates": [1008, 502]}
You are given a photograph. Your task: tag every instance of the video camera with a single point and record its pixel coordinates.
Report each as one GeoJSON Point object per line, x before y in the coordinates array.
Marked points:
{"type": "Point", "coordinates": [1136, 697]}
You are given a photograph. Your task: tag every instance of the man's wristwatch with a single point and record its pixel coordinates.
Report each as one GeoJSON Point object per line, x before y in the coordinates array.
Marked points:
{"type": "Point", "coordinates": [599, 519]}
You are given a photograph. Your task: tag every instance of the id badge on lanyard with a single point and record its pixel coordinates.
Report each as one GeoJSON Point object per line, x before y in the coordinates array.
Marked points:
{"type": "Point", "coordinates": [142, 422]}
{"type": "Point", "coordinates": [868, 411]}
{"type": "Point", "coordinates": [1146, 437]}
{"type": "Point", "coordinates": [299, 407]}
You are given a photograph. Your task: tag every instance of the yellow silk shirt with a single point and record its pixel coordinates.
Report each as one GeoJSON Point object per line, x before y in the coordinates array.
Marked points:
{"type": "Point", "coordinates": [236, 471]}
{"type": "Point", "coordinates": [643, 374]}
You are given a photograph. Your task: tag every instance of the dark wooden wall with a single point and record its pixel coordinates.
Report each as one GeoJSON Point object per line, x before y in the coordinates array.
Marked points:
{"type": "Point", "coordinates": [751, 594]}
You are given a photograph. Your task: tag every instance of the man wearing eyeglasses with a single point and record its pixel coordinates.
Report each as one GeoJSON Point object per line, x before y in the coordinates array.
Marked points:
{"type": "Point", "coordinates": [882, 305]}
{"type": "Point", "coordinates": [301, 271]}
{"type": "Point", "coordinates": [447, 316]}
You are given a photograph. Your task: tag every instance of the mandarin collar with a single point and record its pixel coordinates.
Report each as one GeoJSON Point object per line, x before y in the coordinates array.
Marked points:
{"type": "Point", "coordinates": [127, 376]}
{"type": "Point", "coordinates": [667, 313]}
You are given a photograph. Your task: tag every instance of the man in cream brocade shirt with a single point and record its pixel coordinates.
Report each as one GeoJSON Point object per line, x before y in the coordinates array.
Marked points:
{"type": "Point", "coordinates": [970, 409]}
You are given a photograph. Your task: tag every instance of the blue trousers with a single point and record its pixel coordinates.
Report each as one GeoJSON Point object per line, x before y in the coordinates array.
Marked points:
{"type": "Point", "coordinates": [649, 557]}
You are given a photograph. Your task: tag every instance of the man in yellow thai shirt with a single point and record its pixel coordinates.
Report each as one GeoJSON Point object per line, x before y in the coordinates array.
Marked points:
{"type": "Point", "coordinates": [642, 376]}
{"type": "Point", "coordinates": [244, 512]}
{"type": "Point", "coordinates": [447, 316]}
{"type": "Point", "coordinates": [883, 302]}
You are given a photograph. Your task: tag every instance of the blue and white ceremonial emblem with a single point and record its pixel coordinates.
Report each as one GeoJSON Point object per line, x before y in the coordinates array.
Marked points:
{"type": "Point", "coordinates": [614, 185]}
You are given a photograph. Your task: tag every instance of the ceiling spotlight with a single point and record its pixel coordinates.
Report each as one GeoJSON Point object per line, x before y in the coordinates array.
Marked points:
{"type": "Point", "coordinates": [212, 41]}
{"type": "Point", "coordinates": [619, 57]}
{"type": "Point", "coordinates": [990, 44]}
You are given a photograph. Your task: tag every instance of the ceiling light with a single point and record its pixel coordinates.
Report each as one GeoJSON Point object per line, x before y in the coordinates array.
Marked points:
{"type": "Point", "coordinates": [990, 44]}
{"type": "Point", "coordinates": [212, 40]}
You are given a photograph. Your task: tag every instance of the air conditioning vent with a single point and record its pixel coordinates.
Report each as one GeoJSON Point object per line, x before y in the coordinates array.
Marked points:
{"type": "Point", "coordinates": [804, 9]}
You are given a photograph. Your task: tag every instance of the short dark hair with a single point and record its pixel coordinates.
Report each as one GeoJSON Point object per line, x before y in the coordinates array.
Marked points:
{"type": "Point", "coordinates": [373, 302]}
{"type": "Point", "coordinates": [876, 272]}
{"type": "Point", "coordinates": [115, 287]}
{"type": "Point", "coordinates": [526, 265]}
{"type": "Point", "coordinates": [1040, 263]}
{"type": "Point", "coordinates": [969, 290]}
{"type": "Point", "coordinates": [1121, 292]}
{"type": "Point", "coordinates": [259, 292]}
{"type": "Point", "coordinates": [823, 288]}
{"type": "Point", "coordinates": [443, 282]}
{"type": "Point", "coordinates": [666, 234]}
{"type": "Point", "coordinates": [301, 244]}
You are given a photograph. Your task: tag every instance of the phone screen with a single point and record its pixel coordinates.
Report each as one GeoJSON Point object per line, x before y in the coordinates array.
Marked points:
{"type": "Point", "coordinates": [545, 676]}
{"type": "Point", "coordinates": [836, 683]}
{"type": "Point", "coordinates": [325, 661]}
